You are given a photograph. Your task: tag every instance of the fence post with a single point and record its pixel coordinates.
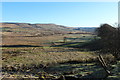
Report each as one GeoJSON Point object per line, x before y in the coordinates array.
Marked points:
{"type": "Point", "coordinates": [103, 64]}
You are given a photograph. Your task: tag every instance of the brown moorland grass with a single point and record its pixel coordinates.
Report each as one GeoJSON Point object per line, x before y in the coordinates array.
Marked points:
{"type": "Point", "coordinates": [20, 62]}
{"type": "Point", "coordinates": [45, 55]}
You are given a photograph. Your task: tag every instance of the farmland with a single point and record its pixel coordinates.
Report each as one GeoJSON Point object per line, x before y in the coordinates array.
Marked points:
{"type": "Point", "coordinates": [27, 54]}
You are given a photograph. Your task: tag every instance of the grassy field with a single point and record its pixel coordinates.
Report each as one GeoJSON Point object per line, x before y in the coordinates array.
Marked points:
{"type": "Point", "coordinates": [49, 54]}
{"type": "Point", "coordinates": [40, 53]}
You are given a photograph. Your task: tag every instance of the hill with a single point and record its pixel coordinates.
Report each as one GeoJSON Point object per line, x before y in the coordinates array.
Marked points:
{"type": "Point", "coordinates": [34, 29]}
{"type": "Point", "coordinates": [34, 34]}
{"type": "Point", "coordinates": [50, 27]}
{"type": "Point", "coordinates": [42, 29]}
{"type": "Point", "coordinates": [30, 34]}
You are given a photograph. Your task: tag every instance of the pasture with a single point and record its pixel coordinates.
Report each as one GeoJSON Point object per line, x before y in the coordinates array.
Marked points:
{"type": "Point", "coordinates": [49, 55]}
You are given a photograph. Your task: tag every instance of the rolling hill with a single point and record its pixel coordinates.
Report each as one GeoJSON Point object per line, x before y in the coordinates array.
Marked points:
{"type": "Point", "coordinates": [41, 29]}
{"type": "Point", "coordinates": [33, 34]}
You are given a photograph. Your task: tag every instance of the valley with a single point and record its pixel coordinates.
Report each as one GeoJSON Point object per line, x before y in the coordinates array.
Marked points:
{"type": "Point", "coordinates": [31, 50]}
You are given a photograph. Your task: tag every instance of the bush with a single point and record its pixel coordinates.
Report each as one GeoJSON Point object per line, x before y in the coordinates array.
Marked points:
{"type": "Point", "coordinates": [110, 39]}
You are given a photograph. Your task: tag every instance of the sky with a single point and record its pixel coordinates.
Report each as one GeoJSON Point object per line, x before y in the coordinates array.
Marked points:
{"type": "Point", "coordinates": [71, 14]}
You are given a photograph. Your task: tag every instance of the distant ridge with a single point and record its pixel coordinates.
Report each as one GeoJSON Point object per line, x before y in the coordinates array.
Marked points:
{"type": "Point", "coordinates": [86, 29]}
{"type": "Point", "coordinates": [48, 26]}
{"type": "Point", "coordinates": [35, 29]}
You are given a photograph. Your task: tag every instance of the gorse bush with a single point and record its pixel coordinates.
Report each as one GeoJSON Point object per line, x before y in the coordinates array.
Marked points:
{"type": "Point", "coordinates": [110, 39]}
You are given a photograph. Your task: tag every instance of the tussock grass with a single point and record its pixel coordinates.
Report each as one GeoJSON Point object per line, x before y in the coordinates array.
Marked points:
{"type": "Point", "coordinates": [48, 55]}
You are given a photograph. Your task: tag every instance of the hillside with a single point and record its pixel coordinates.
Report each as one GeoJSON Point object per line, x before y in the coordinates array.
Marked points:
{"type": "Point", "coordinates": [30, 34]}
{"type": "Point", "coordinates": [34, 34]}
{"type": "Point", "coordinates": [27, 29]}
{"type": "Point", "coordinates": [49, 27]}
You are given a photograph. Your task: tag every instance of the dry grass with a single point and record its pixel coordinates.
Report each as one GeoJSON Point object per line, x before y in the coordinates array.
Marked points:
{"type": "Point", "coordinates": [12, 38]}
{"type": "Point", "coordinates": [29, 40]}
{"type": "Point", "coordinates": [46, 55]}
{"type": "Point", "coordinates": [28, 56]}
{"type": "Point", "coordinates": [22, 61]}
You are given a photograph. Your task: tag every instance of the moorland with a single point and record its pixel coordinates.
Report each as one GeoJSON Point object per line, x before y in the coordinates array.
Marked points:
{"type": "Point", "coordinates": [49, 51]}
